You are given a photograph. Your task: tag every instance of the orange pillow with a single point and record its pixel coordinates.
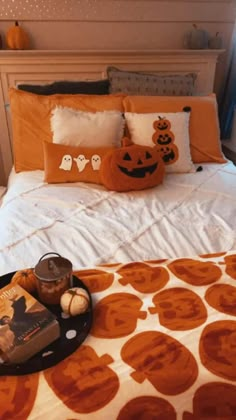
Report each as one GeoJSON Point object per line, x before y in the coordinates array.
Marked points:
{"type": "Point", "coordinates": [31, 114]}
{"type": "Point", "coordinates": [203, 127]}
{"type": "Point", "coordinates": [72, 164]}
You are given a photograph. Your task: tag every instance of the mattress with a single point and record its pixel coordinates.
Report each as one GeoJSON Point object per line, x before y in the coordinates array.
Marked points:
{"type": "Point", "coordinates": [160, 265]}
{"type": "Point", "coordinates": [189, 214]}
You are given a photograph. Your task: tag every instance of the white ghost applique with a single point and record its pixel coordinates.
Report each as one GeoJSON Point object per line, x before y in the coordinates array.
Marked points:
{"type": "Point", "coordinates": [96, 162]}
{"type": "Point", "coordinates": [81, 162]}
{"type": "Point", "coordinates": [66, 163]}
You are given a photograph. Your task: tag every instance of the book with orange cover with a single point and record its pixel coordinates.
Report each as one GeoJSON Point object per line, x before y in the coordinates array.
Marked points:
{"type": "Point", "coordinates": [26, 326]}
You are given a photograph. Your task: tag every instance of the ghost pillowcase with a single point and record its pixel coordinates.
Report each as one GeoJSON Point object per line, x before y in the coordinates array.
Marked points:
{"type": "Point", "coordinates": [64, 163]}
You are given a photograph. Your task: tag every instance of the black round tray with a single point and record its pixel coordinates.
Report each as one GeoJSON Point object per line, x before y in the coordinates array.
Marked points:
{"type": "Point", "coordinates": [61, 348]}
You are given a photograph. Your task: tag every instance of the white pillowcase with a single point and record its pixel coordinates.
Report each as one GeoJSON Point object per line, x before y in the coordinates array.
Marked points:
{"type": "Point", "coordinates": [141, 131]}
{"type": "Point", "coordinates": [91, 129]}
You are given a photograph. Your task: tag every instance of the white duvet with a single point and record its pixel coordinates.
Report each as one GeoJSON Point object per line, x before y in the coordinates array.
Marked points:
{"type": "Point", "coordinates": [188, 214]}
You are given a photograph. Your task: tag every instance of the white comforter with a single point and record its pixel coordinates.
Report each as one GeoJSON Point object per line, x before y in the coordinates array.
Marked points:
{"type": "Point", "coordinates": [188, 214]}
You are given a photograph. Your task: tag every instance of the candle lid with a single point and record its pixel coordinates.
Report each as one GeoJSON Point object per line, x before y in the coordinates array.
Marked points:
{"type": "Point", "coordinates": [52, 268]}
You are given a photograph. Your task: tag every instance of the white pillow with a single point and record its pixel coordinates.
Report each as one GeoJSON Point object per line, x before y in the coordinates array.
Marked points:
{"type": "Point", "coordinates": [90, 129]}
{"type": "Point", "coordinates": [142, 131]}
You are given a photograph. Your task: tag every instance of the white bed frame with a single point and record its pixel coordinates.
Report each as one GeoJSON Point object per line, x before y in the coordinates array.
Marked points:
{"type": "Point", "coordinates": [45, 66]}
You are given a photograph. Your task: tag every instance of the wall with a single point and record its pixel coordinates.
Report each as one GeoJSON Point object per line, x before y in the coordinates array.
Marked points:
{"type": "Point", "coordinates": [119, 24]}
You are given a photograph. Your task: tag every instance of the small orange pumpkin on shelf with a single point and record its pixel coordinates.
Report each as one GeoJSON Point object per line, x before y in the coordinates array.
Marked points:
{"type": "Point", "coordinates": [17, 38]}
{"type": "Point", "coordinates": [26, 279]}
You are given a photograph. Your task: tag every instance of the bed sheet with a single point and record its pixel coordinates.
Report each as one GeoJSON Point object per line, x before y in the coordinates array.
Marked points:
{"type": "Point", "coordinates": [188, 214]}
{"type": "Point", "coordinates": [162, 346]}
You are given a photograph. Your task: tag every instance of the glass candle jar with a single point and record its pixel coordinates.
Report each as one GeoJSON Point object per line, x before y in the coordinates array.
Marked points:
{"type": "Point", "coordinates": [54, 277]}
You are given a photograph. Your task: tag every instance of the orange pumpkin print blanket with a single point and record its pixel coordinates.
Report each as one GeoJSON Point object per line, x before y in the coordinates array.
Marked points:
{"type": "Point", "coordinates": [162, 346]}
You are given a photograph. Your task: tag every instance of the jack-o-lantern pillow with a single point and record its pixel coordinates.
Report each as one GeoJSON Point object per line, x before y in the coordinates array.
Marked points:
{"type": "Point", "coordinates": [168, 132]}
{"type": "Point", "coordinates": [132, 167]}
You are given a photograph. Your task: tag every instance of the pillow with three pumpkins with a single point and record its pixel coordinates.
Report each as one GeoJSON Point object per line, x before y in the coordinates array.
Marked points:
{"type": "Point", "coordinates": [158, 143]}
{"type": "Point", "coordinates": [168, 132]}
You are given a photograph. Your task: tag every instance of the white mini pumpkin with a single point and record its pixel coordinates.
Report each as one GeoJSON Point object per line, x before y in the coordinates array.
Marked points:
{"type": "Point", "coordinates": [74, 301]}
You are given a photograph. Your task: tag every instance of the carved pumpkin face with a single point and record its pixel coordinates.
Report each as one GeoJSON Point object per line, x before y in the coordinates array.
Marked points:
{"type": "Point", "coordinates": [217, 348]}
{"type": "Point", "coordinates": [179, 309]}
{"type": "Point", "coordinates": [195, 272]}
{"type": "Point", "coordinates": [230, 262]}
{"type": "Point", "coordinates": [164, 361]}
{"type": "Point", "coordinates": [132, 167]}
{"type": "Point", "coordinates": [163, 138]}
{"type": "Point", "coordinates": [222, 297]}
{"type": "Point", "coordinates": [80, 378]}
{"type": "Point", "coordinates": [207, 404]}
{"type": "Point", "coordinates": [142, 277]}
{"type": "Point", "coordinates": [161, 124]}
{"type": "Point", "coordinates": [95, 280]}
{"type": "Point", "coordinates": [147, 407]}
{"type": "Point", "coordinates": [168, 153]}
{"type": "Point", "coordinates": [117, 315]}
{"type": "Point", "coordinates": [17, 395]}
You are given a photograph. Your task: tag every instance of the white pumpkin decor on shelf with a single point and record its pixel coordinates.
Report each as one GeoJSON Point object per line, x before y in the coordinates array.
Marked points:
{"type": "Point", "coordinates": [196, 39]}
{"type": "Point", "coordinates": [215, 42]}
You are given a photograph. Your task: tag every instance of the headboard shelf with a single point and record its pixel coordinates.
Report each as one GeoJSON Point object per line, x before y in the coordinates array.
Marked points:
{"type": "Point", "coordinates": [163, 52]}
{"type": "Point", "coordinates": [107, 57]}
{"type": "Point", "coordinates": [44, 66]}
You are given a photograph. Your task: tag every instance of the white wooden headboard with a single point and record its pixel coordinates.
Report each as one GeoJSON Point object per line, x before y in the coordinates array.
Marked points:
{"type": "Point", "coordinates": [36, 66]}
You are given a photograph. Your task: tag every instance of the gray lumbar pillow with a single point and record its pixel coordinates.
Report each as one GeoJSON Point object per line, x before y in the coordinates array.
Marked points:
{"type": "Point", "coordinates": [135, 83]}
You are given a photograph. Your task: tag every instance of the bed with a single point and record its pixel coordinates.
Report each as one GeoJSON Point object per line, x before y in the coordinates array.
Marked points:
{"type": "Point", "coordinates": [160, 262]}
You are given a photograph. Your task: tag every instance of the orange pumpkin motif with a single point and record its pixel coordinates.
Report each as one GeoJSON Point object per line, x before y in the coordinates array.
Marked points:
{"type": "Point", "coordinates": [142, 277]}
{"type": "Point", "coordinates": [17, 396]}
{"type": "Point", "coordinates": [132, 167]}
{"type": "Point", "coordinates": [222, 297]}
{"type": "Point", "coordinates": [83, 381]}
{"type": "Point", "coordinates": [197, 273]}
{"type": "Point", "coordinates": [116, 315]}
{"type": "Point", "coordinates": [163, 135]}
{"type": "Point", "coordinates": [26, 279]}
{"type": "Point", "coordinates": [95, 280]}
{"type": "Point", "coordinates": [230, 269]}
{"type": "Point", "coordinates": [109, 265]}
{"type": "Point", "coordinates": [159, 261]}
{"type": "Point", "coordinates": [179, 309]}
{"type": "Point", "coordinates": [144, 408]}
{"type": "Point", "coordinates": [212, 255]}
{"type": "Point", "coordinates": [217, 348]}
{"type": "Point", "coordinates": [164, 361]}
{"type": "Point", "coordinates": [162, 124]}
{"type": "Point", "coordinates": [163, 139]}
{"type": "Point", "coordinates": [169, 154]}
{"type": "Point", "coordinates": [214, 400]}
